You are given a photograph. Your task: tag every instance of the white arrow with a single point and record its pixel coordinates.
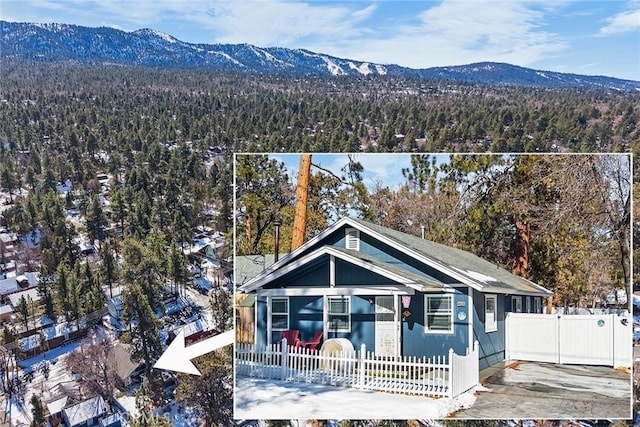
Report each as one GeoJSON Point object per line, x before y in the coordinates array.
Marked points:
{"type": "Point", "coordinates": [177, 357]}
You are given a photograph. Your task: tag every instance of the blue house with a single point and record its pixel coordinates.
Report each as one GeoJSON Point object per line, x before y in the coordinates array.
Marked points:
{"type": "Point", "coordinates": [396, 293]}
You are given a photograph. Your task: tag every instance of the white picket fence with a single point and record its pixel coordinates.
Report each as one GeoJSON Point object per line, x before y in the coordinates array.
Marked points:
{"type": "Point", "coordinates": [438, 376]}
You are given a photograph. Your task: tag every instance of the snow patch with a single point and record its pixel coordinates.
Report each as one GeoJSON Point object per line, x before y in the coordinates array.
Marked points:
{"type": "Point", "coordinates": [272, 399]}
{"type": "Point", "coordinates": [382, 70]}
{"type": "Point", "coordinates": [226, 56]}
{"type": "Point", "coordinates": [362, 68]}
{"type": "Point", "coordinates": [333, 68]}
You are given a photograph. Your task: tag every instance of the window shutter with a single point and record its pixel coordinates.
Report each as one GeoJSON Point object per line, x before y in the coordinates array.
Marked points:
{"type": "Point", "coordinates": [352, 239]}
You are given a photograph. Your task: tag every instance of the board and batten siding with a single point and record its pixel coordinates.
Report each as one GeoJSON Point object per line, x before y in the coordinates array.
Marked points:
{"type": "Point", "coordinates": [491, 343]}
{"type": "Point", "coordinates": [306, 315]}
{"type": "Point", "coordinates": [417, 342]}
{"type": "Point", "coordinates": [391, 255]}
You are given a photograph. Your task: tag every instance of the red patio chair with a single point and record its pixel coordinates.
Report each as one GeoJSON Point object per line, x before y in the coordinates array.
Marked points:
{"type": "Point", "coordinates": [314, 341]}
{"type": "Point", "coordinates": [292, 336]}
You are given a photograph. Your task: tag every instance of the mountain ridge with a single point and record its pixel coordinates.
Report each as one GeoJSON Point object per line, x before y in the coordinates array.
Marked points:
{"type": "Point", "coordinates": [151, 48]}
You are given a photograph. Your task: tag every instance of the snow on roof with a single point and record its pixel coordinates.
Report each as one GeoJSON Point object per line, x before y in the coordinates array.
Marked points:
{"type": "Point", "coordinates": [172, 307]}
{"type": "Point", "coordinates": [8, 285]}
{"type": "Point", "coordinates": [29, 277]}
{"type": "Point", "coordinates": [58, 405]}
{"type": "Point", "coordinates": [4, 309]}
{"type": "Point", "coordinates": [7, 238]}
{"type": "Point", "coordinates": [29, 294]}
{"type": "Point", "coordinates": [203, 283]}
{"type": "Point", "coordinates": [30, 342]}
{"type": "Point", "coordinates": [85, 411]}
{"type": "Point", "coordinates": [192, 327]}
{"type": "Point", "coordinates": [65, 187]}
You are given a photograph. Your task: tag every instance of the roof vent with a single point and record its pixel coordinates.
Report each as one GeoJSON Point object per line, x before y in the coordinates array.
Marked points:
{"type": "Point", "coordinates": [352, 239]}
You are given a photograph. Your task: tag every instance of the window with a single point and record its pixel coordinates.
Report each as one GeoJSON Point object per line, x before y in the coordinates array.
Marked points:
{"type": "Point", "coordinates": [338, 309]}
{"type": "Point", "coordinates": [279, 314]}
{"type": "Point", "coordinates": [516, 304]}
{"type": "Point", "coordinates": [528, 305]}
{"type": "Point", "coordinates": [438, 313]}
{"type": "Point", "coordinates": [537, 305]}
{"type": "Point", "coordinates": [352, 239]}
{"type": "Point", "coordinates": [490, 313]}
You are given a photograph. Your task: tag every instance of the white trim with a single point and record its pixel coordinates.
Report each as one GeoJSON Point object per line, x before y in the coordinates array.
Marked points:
{"type": "Point", "coordinates": [470, 311]}
{"type": "Point", "coordinates": [268, 302]}
{"type": "Point", "coordinates": [271, 313]}
{"type": "Point", "coordinates": [537, 304]}
{"type": "Point", "coordinates": [398, 322]}
{"type": "Point", "coordinates": [420, 257]}
{"type": "Point", "coordinates": [255, 320]}
{"type": "Point", "coordinates": [285, 259]}
{"type": "Point", "coordinates": [352, 238]}
{"type": "Point", "coordinates": [494, 326]}
{"type": "Point", "coordinates": [325, 319]}
{"type": "Point", "coordinates": [332, 270]}
{"type": "Point", "coordinates": [337, 253]}
{"type": "Point", "coordinates": [451, 315]}
{"type": "Point", "coordinates": [341, 290]}
{"type": "Point", "coordinates": [254, 283]}
{"type": "Point", "coordinates": [514, 304]}
{"type": "Point", "coordinates": [348, 313]}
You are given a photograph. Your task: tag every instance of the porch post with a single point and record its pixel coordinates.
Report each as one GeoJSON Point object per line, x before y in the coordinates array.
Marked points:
{"type": "Point", "coordinates": [398, 322]}
{"type": "Point", "coordinates": [450, 379]}
{"type": "Point", "coordinates": [361, 365]}
{"type": "Point", "coordinates": [470, 311]}
{"type": "Point", "coordinates": [269, 326]}
{"type": "Point", "coordinates": [284, 358]}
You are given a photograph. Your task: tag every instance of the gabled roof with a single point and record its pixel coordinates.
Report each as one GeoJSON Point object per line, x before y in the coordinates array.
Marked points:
{"type": "Point", "coordinates": [85, 411]}
{"type": "Point", "coordinates": [473, 270]}
{"type": "Point", "coordinates": [121, 358]}
{"type": "Point", "coordinates": [462, 266]}
{"type": "Point", "coordinates": [392, 272]}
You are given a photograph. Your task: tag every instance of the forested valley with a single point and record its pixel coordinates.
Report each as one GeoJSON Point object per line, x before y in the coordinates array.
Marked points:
{"type": "Point", "coordinates": [167, 137]}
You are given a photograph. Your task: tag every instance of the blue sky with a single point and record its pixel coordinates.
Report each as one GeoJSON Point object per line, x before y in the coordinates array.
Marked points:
{"type": "Point", "coordinates": [384, 169]}
{"type": "Point", "coordinates": [584, 37]}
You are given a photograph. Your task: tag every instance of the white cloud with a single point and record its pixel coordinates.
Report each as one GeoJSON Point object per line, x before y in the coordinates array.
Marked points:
{"type": "Point", "coordinates": [455, 32]}
{"type": "Point", "coordinates": [622, 22]}
{"type": "Point", "coordinates": [277, 23]}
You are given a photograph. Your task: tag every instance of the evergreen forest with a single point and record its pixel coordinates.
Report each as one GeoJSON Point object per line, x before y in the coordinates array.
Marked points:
{"type": "Point", "coordinates": [168, 138]}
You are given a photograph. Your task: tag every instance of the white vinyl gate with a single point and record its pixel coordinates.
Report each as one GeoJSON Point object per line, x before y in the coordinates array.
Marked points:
{"type": "Point", "coordinates": [571, 339]}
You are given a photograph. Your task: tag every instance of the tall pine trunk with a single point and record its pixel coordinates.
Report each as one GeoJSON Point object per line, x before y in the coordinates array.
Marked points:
{"type": "Point", "coordinates": [521, 248]}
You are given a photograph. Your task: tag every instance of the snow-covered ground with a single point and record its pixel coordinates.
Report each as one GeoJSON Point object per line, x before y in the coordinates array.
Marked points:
{"type": "Point", "coordinates": [18, 408]}
{"type": "Point", "coordinates": [271, 399]}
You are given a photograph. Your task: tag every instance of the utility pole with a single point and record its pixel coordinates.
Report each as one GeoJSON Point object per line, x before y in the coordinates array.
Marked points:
{"type": "Point", "coordinates": [302, 193]}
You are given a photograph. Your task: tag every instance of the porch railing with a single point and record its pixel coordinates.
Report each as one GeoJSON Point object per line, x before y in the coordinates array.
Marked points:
{"type": "Point", "coordinates": [439, 376]}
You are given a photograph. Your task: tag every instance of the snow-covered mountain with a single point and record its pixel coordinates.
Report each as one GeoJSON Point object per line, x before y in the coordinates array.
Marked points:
{"type": "Point", "coordinates": [146, 47]}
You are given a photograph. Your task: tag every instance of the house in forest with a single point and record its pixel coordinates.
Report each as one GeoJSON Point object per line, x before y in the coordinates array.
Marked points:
{"type": "Point", "coordinates": [125, 368]}
{"type": "Point", "coordinates": [86, 413]}
{"type": "Point", "coordinates": [398, 294]}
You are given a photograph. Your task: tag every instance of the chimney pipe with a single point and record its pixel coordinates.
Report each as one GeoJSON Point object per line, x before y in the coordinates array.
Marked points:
{"type": "Point", "coordinates": [276, 238]}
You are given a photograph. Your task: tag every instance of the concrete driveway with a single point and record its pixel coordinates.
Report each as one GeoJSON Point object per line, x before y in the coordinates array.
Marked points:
{"type": "Point", "coordinates": [534, 390]}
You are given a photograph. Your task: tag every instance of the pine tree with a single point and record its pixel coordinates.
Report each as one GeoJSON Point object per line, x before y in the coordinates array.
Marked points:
{"type": "Point", "coordinates": [211, 394]}
{"type": "Point", "coordinates": [37, 412]}
{"type": "Point", "coordinates": [144, 336]}
{"type": "Point", "coordinates": [96, 220]}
